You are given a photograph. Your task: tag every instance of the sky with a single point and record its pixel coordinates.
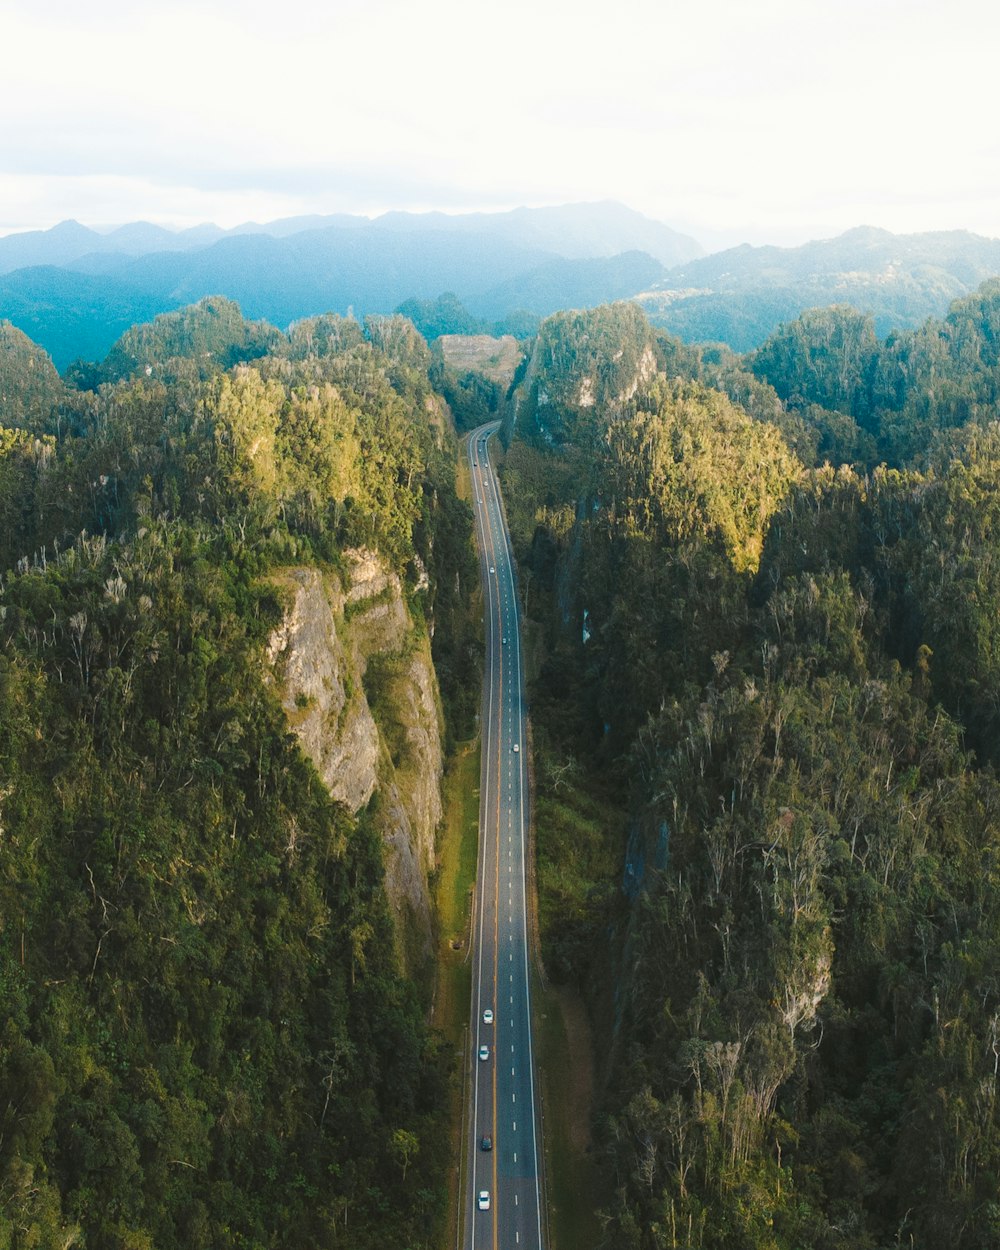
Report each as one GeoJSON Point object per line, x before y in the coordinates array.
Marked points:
{"type": "Point", "coordinates": [760, 121]}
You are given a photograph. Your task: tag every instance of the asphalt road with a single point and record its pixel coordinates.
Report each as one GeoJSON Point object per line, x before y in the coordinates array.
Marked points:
{"type": "Point", "coordinates": [502, 1084]}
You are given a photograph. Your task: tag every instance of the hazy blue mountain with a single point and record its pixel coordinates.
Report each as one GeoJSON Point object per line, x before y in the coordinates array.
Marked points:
{"type": "Point", "coordinates": [575, 231]}
{"type": "Point", "coordinates": [561, 284]}
{"type": "Point", "coordinates": [967, 257]}
{"type": "Point", "coordinates": [571, 230]}
{"type": "Point", "coordinates": [58, 246]}
{"type": "Point", "coordinates": [97, 263]}
{"type": "Point", "coordinates": [203, 235]}
{"type": "Point", "coordinates": [80, 313]}
{"type": "Point", "coordinates": [73, 314]}
{"type": "Point", "coordinates": [285, 226]}
{"type": "Point", "coordinates": [74, 289]}
{"type": "Point", "coordinates": [739, 296]}
{"type": "Point", "coordinates": [71, 244]}
{"type": "Point", "coordinates": [332, 270]}
{"type": "Point", "coordinates": [139, 237]}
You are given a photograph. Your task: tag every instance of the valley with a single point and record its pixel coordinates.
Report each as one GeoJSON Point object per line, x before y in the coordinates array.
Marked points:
{"type": "Point", "coordinates": [271, 600]}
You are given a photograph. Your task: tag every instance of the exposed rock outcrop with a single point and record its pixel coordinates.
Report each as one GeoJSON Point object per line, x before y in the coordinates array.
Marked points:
{"type": "Point", "coordinates": [322, 694]}
{"type": "Point", "coordinates": [387, 748]}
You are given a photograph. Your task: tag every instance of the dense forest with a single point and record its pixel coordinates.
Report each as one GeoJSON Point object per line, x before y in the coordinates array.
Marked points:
{"type": "Point", "coordinates": [207, 1039]}
{"type": "Point", "coordinates": [762, 603]}
{"type": "Point", "coordinates": [763, 614]}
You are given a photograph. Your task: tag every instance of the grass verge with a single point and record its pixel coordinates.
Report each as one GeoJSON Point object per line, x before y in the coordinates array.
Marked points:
{"type": "Point", "coordinates": [564, 1059]}
{"type": "Point", "coordinates": [456, 874]}
{"type": "Point", "coordinates": [571, 850]}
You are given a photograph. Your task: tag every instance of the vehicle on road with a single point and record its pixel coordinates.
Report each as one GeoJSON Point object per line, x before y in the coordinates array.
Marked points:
{"type": "Point", "coordinates": [486, 1143]}
{"type": "Point", "coordinates": [484, 1052]}
{"type": "Point", "coordinates": [488, 1016]}
{"type": "Point", "coordinates": [492, 569]}
{"type": "Point", "coordinates": [484, 1200]}
{"type": "Point", "coordinates": [517, 747]}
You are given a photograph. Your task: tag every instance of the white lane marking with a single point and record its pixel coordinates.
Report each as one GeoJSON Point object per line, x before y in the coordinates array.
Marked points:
{"type": "Point", "coordinates": [515, 1196]}
{"type": "Point", "coordinates": [527, 989]}
{"type": "Point", "coordinates": [513, 1097]}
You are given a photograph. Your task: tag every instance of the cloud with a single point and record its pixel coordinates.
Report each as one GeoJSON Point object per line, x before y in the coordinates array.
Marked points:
{"type": "Point", "coordinates": [782, 115]}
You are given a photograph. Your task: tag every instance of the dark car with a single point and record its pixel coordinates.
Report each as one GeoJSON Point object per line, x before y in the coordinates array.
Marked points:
{"type": "Point", "coordinates": [486, 1143]}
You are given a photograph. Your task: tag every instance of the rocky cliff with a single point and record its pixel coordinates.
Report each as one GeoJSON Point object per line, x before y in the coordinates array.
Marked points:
{"type": "Point", "coordinates": [358, 687]}
{"type": "Point", "coordinates": [583, 367]}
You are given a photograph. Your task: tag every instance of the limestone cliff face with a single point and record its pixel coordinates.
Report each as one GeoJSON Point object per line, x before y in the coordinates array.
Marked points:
{"type": "Point", "coordinates": [584, 368]}
{"type": "Point", "coordinates": [321, 691]}
{"type": "Point", "coordinates": [387, 748]}
{"type": "Point", "coordinates": [419, 773]}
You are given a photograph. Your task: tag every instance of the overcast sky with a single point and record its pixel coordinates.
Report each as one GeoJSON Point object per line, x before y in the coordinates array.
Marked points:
{"type": "Point", "coordinates": [735, 120]}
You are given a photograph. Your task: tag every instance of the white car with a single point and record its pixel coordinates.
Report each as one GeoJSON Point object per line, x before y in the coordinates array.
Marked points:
{"type": "Point", "coordinates": [484, 1200]}
{"type": "Point", "coordinates": [517, 747]}
{"type": "Point", "coordinates": [492, 569]}
{"type": "Point", "coordinates": [488, 1016]}
{"type": "Point", "coordinates": [484, 1052]}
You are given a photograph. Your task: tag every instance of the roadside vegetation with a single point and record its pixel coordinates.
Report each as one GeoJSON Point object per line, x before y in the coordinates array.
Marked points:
{"type": "Point", "coordinates": [762, 634]}
{"type": "Point", "coordinates": [763, 601]}
{"type": "Point", "coordinates": [205, 1038]}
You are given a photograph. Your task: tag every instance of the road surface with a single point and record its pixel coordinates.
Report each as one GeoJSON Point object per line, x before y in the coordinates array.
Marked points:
{"type": "Point", "coordinates": [503, 1084]}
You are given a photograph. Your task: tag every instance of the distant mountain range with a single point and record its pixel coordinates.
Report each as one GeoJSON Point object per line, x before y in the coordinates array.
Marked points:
{"type": "Point", "coordinates": [740, 295]}
{"type": "Point", "coordinates": [573, 231]}
{"type": "Point", "coordinates": [74, 290]}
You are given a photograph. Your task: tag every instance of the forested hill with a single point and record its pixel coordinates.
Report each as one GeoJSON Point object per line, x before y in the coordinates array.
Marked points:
{"type": "Point", "coordinates": [741, 295]}
{"type": "Point", "coordinates": [206, 1035]}
{"type": "Point", "coordinates": [764, 601]}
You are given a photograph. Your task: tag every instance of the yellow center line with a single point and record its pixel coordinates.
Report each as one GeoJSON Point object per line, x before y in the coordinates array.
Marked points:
{"type": "Point", "coordinates": [496, 612]}
{"type": "Point", "coordinates": [496, 906]}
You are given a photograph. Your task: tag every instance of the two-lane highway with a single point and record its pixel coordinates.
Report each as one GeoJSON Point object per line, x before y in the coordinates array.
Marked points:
{"type": "Point", "coordinates": [503, 1114]}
